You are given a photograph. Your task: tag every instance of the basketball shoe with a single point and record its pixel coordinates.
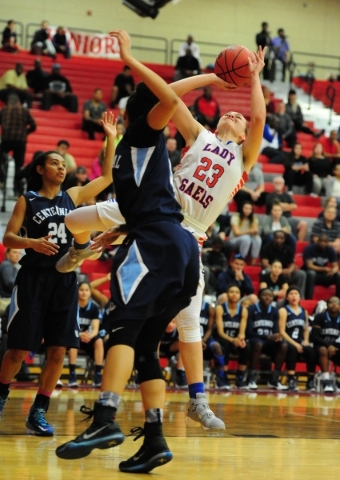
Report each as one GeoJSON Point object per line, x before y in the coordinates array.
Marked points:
{"type": "Point", "coordinates": [181, 379]}
{"type": "Point", "coordinates": [73, 258]}
{"type": "Point", "coordinates": [199, 414]}
{"type": "Point", "coordinates": [252, 385]}
{"type": "Point", "coordinates": [292, 385]}
{"type": "Point", "coordinates": [103, 433]}
{"type": "Point", "coordinates": [153, 453]}
{"type": "Point", "coordinates": [97, 381]}
{"type": "Point", "coordinates": [274, 382]}
{"type": "Point", "coordinates": [36, 422]}
{"type": "Point", "coordinates": [223, 382]}
{"type": "Point", "coordinates": [327, 386]}
{"type": "Point", "coordinates": [3, 399]}
{"type": "Point", "coordinates": [310, 385]}
{"type": "Point", "coordinates": [72, 380]}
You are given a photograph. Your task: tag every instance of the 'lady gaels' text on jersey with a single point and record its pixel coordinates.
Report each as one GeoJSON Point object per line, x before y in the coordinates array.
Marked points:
{"type": "Point", "coordinates": [231, 324]}
{"type": "Point", "coordinates": [295, 324]}
{"type": "Point", "coordinates": [211, 173]}
{"type": "Point", "coordinates": [45, 216]}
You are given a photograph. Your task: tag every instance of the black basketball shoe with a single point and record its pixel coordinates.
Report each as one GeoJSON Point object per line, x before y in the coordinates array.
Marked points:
{"type": "Point", "coordinates": [103, 433]}
{"type": "Point", "coordinates": [153, 453]}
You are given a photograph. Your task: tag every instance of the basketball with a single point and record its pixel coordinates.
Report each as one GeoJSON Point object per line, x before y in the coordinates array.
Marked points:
{"type": "Point", "coordinates": [232, 65]}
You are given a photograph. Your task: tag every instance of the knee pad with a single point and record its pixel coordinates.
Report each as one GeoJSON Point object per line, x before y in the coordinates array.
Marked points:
{"type": "Point", "coordinates": [189, 329]}
{"type": "Point", "coordinates": [148, 367]}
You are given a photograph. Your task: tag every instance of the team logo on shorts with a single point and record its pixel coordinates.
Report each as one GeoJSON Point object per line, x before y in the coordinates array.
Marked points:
{"type": "Point", "coordinates": [76, 333]}
{"type": "Point", "coordinates": [112, 306]}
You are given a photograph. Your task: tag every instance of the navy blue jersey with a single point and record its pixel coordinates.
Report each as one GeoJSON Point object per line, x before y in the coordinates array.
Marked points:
{"type": "Point", "coordinates": [262, 323]}
{"type": "Point", "coordinates": [204, 317]}
{"type": "Point", "coordinates": [46, 216]}
{"type": "Point", "coordinates": [295, 324]}
{"type": "Point", "coordinates": [231, 325]}
{"type": "Point", "coordinates": [142, 177]}
{"type": "Point", "coordinates": [329, 327]}
{"type": "Point", "coordinates": [87, 314]}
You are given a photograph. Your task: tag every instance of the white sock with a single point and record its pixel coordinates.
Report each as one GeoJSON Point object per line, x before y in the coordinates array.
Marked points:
{"type": "Point", "coordinates": [325, 376]}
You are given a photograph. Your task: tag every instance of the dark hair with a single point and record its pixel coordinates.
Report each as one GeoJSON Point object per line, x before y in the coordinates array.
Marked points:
{"type": "Point", "coordinates": [233, 285]}
{"type": "Point", "coordinates": [290, 289]}
{"type": "Point", "coordinates": [140, 102]}
{"type": "Point", "coordinates": [84, 282]}
{"type": "Point", "coordinates": [242, 215]}
{"type": "Point", "coordinates": [10, 21]}
{"type": "Point", "coordinates": [217, 241]}
{"type": "Point", "coordinates": [63, 142]}
{"type": "Point", "coordinates": [265, 289]}
{"type": "Point", "coordinates": [292, 92]}
{"type": "Point", "coordinates": [279, 231]}
{"type": "Point", "coordinates": [35, 179]}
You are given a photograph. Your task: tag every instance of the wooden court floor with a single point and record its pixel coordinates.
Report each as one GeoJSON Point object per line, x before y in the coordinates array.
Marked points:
{"type": "Point", "coordinates": [272, 436]}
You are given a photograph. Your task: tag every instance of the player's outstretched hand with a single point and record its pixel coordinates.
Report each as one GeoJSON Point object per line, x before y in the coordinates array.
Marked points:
{"type": "Point", "coordinates": [109, 124]}
{"type": "Point", "coordinates": [256, 65]}
{"type": "Point", "coordinates": [124, 42]}
{"type": "Point", "coordinates": [105, 239]}
{"type": "Point", "coordinates": [218, 82]}
{"type": "Point", "coordinates": [42, 245]}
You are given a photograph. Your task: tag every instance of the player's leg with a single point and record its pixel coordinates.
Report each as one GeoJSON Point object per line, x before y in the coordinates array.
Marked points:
{"type": "Point", "coordinates": [72, 360]}
{"type": "Point", "coordinates": [327, 383]}
{"type": "Point", "coordinates": [277, 351]}
{"type": "Point", "coordinates": [291, 359]}
{"type": "Point", "coordinates": [243, 360]}
{"type": "Point", "coordinates": [190, 346]}
{"type": "Point", "coordinates": [221, 351]}
{"type": "Point", "coordinates": [310, 357]}
{"type": "Point", "coordinates": [81, 222]}
{"type": "Point", "coordinates": [256, 346]}
{"type": "Point", "coordinates": [154, 451]}
{"type": "Point", "coordinates": [49, 377]}
{"type": "Point", "coordinates": [98, 356]}
{"type": "Point", "coordinates": [10, 366]}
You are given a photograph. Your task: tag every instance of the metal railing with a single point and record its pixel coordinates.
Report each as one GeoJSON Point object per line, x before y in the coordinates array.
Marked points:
{"type": "Point", "coordinates": [319, 61]}
{"type": "Point", "coordinates": [208, 50]}
{"type": "Point", "coordinates": [19, 31]}
{"type": "Point", "coordinates": [163, 47]}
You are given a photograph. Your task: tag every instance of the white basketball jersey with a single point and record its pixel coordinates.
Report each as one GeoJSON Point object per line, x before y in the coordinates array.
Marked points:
{"type": "Point", "coordinates": [211, 173]}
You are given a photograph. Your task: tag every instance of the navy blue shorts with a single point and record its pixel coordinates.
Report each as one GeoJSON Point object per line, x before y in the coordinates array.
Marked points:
{"type": "Point", "coordinates": [44, 306]}
{"type": "Point", "coordinates": [155, 272]}
{"type": "Point", "coordinates": [269, 347]}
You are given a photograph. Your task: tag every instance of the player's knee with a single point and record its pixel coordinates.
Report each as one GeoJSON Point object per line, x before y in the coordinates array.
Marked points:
{"type": "Point", "coordinates": [323, 352]}
{"type": "Point", "coordinates": [56, 354]}
{"type": "Point", "coordinates": [189, 333]}
{"type": "Point", "coordinates": [257, 347]}
{"type": "Point", "coordinates": [148, 367]}
{"type": "Point", "coordinates": [17, 356]}
{"type": "Point", "coordinates": [216, 348]}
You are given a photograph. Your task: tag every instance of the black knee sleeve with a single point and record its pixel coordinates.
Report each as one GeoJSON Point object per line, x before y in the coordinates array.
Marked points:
{"type": "Point", "coordinates": [148, 367]}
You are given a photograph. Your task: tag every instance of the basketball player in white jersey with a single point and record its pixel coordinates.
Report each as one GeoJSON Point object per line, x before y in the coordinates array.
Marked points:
{"type": "Point", "coordinates": [214, 167]}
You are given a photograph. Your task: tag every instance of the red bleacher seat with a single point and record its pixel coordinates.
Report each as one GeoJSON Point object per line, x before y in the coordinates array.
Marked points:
{"type": "Point", "coordinates": [300, 246]}
{"type": "Point", "coordinates": [322, 293]}
{"type": "Point", "coordinates": [92, 266]}
{"type": "Point", "coordinates": [309, 305]}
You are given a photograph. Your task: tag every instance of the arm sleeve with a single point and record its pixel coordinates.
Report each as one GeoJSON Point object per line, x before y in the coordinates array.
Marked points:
{"type": "Point", "coordinates": [267, 225]}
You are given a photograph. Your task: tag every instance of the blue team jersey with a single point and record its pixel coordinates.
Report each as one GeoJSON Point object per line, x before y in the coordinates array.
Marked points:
{"type": "Point", "coordinates": [295, 324]}
{"type": "Point", "coordinates": [87, 314]}
{"type": "Point", "coordinates": [46, 216]}
{"type": "Point", "coordinates": [262, 323]}
{"type": "Point", "coordinates": [231, 325]}
{"type": "Point", "coordinates": [329, 327]}
{"type": "Point", "coordinates": [145, 194]}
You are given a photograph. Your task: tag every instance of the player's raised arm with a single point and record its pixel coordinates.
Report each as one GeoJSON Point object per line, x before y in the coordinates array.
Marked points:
{"type": "Point", "coordinates": [252, 144]}
{"type": "Point", "coordinates": [159, 116]}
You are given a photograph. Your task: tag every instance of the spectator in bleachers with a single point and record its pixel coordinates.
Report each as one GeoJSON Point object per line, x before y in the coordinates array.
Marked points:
{"type": "Point", "coordinates": [36, 78]}
{"type": "Point", "coordinates": [60, 43]}
{"type": "Point", "coordinates": [325, 336]}
{"type": "Point", "coordinates": [320, 167]}
{"type": "Point", "coordinates": [330, 202]}
{"type": "Point", "coordinates": [93, 112]}
{"type": "Point", "coordinates": [62, 149]}
{"type": "Point", "coordinates": [14, 81]}
{"type": "Point", "coordinates": [216, 261]}
{"type": "Point", "coordinates": [321, 265]}
{"type": "Point", "coordinates": [253, 190]}
{"type": "Point", "coordinates": [270, 104]}
{"type": "Point", "coordinates": [277, 249]}
{"type": "Point", "coordinates": [285, 126]}
{"type": "Point", "coordinates": [9, 38]}
{"type": "Point", "coordinates": [332, 184]}
{"type": "Point", "coordinates": [263, 39]}
{"type": "Point", "coordinates": [58, 91]}
{"type": "Point", "coordinates": [186, 66]}
{"type": "Point", "coordinates": [281, 50]}
{"type": "Point", "coordinates": [41, 43]}
{"type": "Point", "coordinates": [235, 274]}
{"type": "Point", "coordinates": [294, 329]}
{"type": "Point", "coordinates": [89, 318]}
{"type": "Point", "coordinates": [8, 272]}
{"type": "Point", "coordinates": [329, 226]}
{"type": "Point", "coordinates": [331, 145]}
{"type": "Point", "coordinates": [244, 236]}
{"type": "Point", "coordinates": [78, 178]}
{"type": "Point", "coordinates": [293, 109]}
{"type": "Point", "coordinates": [274, 279]}
{"type": "Point", "coordinates": [270, 146]}
{"type": "Point", "coordinates": [264, 337]}
{"type": "Point", "coordinates": [297, 170]}
{"type": "Point", "coordinates": [299, 227]}
{"type": "Point", "coordinates": [207, 109]}
{"type": "Point", "coordinates": [174, 154]}
{"type": "Point", "coordinates": [123, 86]}
{"type": "Point", "coordinates": [276, 221]}
{"type": "Point", "coordinates": [189, 43]}
{"type": "Point", "coordinates": [231, 324]}
{"type": "Point", "coordinates": [16, 123]}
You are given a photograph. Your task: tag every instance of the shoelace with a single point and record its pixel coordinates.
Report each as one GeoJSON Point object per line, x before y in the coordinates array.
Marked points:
{"type": "Point", "coordinates": [86, 411]}
{"type": "Point", "coordinates": [39, 415]}
{"type": "Point", "coordinates": [136, 432]}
